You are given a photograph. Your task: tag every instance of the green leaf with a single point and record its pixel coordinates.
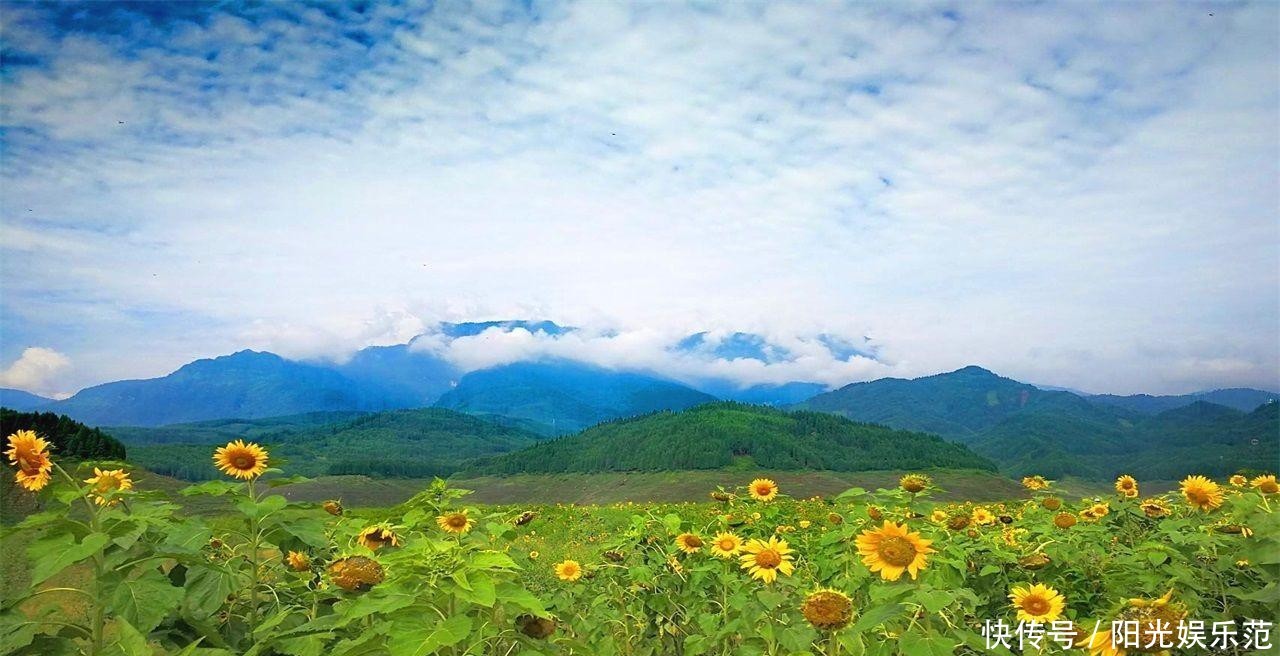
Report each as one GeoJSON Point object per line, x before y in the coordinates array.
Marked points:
{"type": "Point", "coordinates": [207, 590]}
{"type": "Point", "coordinates": [146, 600]}
{"type": "Point", "coordinates": [53, 558]}
{"type": "Point", "coordinates": [210, 488]}
{"type": "Point", "coordinates": [931, 644]}
{"type": "Point", "coordinates": [493, 560]}
{"type": "Point", "coordinates": [875, 617]}
{"type": "Point", "coordinates": [517, 595]}
{"type": "Point", "coordinates": [415, 640]}
{"type": "Point", "coordinates": [372, 603]}
{"type": "Point", "coordinates": [125, 640]}
{"type": "Point", "coordinates": [482, 591]}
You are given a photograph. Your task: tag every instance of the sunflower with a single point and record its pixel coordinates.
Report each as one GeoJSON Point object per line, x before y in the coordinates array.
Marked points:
{"type": "Point", "coordinates": [1095, 512]}
{"type": "Point", "coordinates": [892, 550]}
{"type": "Point", "coordinates": [958, 522]}
{"type": "Point", "coordinates": [1201, 492]}
{"type": "Point", "coordinates": [1149, 621]}
{"type": "Point", "coordinates": [1266, 484]}
{"type": "Point", "coordinates": [568, 570]}
{"type": "Point", "coordinates": [105, 481]}
{"type": "Point", "coordinates": [535, 627]}
{"type": "Point", "coordinates": [689, 543]}
{"type": "Point", "coordinates": [982, 516]}
{"type": "Point", "coordinates": [914, 483]}
{"type": "Point", "coordinates": [835, 518]}
{"type": "Point", "coordinates": [938, 516]}
{"type": "Point", "coordinates": [30, 454]}
{"type": "Point", "coordinates": [455, 522]}
{"type": "Point", "coordinates": [1064, 520]}
{"type": "Point", "coordinates": [356, 573]}
{"type": "Point", "coordinates": [298, 561]}
{"type": "Point", "coordinates": [1034, 482]}
{"type": "Point", "coordinates": [763, 560]}
{"type": "Point", "coordinates": [333, 507]}
{"type": "Point", "coordinates": [1034, 561]}
{"type": "Point", "coordinates": [1127, 486]}
{"type": "Point", "coordinates": [378, 536]}
{"type": "Point", "coordinates": [1051, 503]}
{"type": "Point", "coordinates": [1154, 507]}
{"type": "Point", "coordinates": [1238, 480]}
{"type": "Point", "coordinates": [827, 610]}
{"type": "Point", "coordinates": [804, 523]}
{"type": "Point", "coordinates": [1038, 603]}
{"type": "Point", "coordinates": [763, 489]}
{"type": "Point", "coordinates": [241, 459]}
{"type": "Point", "coordinates": [525, 517]}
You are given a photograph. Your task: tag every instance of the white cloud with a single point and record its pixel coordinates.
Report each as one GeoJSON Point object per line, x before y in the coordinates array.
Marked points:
{"type": "Point", "coordinates": [1077, 196]}
{"type": "Point", "coordinates": [38, 370]}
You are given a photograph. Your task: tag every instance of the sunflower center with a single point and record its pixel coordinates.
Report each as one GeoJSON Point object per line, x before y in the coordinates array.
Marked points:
{"type": "Point", "coordinates": [1035, 605]}
{"type": "Point", "coordinates": [244, 461]}
{"type": "Point", "coordinates": [897, 551]}
{"type": "Point", "coordinates": [1198, 496]}
{"type": "Point", "coordinates": [768, 559]}
{"type": "Point", "coordinates": [1269, 487]}
{"type": "Point", "coordinates": [726, 544]}
{"type": "Point", "coordinates": [457, 521]}
{"type": "Point", "coordinates": [693, 541]}
{"type": "Point", "coordinates": [763, 490]}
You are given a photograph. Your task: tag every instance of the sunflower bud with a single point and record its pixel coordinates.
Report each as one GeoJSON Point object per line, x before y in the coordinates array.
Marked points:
{"type": "Point", "coordinates": [525, 517]}
{"type": "Point", "coordinates": [827, 610]}
{"type": "Point", "coordinates": [333, 507]}
{"type": "Point", "coordinates": [356, 573]}
{"type": "Point", "coordinates": [536, 627]}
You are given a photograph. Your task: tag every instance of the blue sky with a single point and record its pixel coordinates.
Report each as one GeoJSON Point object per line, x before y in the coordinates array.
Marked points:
{"type": "Point", "coordinates": [1076, 194]}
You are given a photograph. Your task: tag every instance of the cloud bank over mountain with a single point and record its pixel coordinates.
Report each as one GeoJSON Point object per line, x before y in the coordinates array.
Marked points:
{"type": "Point", "coordinates": [1083, 198]}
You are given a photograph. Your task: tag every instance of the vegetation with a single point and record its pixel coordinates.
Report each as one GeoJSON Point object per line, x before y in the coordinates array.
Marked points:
{"type": "Point", "coordinates": [114, 570]}
{"type": "Point", "coordinates": [1027, 429]}
{"type": "Point", "coordinates": [722, 434]}
{"type": "Point", "coordinates": [70, 438]}
{"type": "Point", "coordinates": [412, 443]}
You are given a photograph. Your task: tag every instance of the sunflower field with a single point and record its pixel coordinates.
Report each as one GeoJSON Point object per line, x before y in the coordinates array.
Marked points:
{"type": "Point", "coordinates": [115, 570]}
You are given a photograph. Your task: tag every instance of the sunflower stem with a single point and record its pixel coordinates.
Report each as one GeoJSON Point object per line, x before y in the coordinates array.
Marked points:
{"type": "Point", "coordinates": [253, 566]}
{"type": "Point", "coordinates": [99, 565]}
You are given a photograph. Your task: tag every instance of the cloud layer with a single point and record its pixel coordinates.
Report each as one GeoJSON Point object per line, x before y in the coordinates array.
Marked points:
{"type": "Point", "coordinates": [1077, 196]}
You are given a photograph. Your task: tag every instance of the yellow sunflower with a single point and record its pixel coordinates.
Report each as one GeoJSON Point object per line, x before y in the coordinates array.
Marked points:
{"type": "Point", "coordinates": [1095, 512]}
{"type": "Point", "coordinates": [1201, 492]}
{"type": "Point", "coordinates": [1038, 603]}
{"type": "Point", "coordinates": [938, 516]}
{"type": "Point", "coordinates": [1154, 507]}
{"type": "Point", "coordinates": [1051, 503]}
{"type": "Point", "coordinates": [1266, 484]}
{"type": "Point", "coordinates": [455, 522]}
{"type": "Point", "coordinates": [914, 482]}
{"type": "Point", "coordinates": [892, 550]}
{"type": "Point", "coordinates": [982, 516]}
{"type": "Point", "coordinates": [763, 489]}
{"type": "Point", "coordinates": [827, 610]}
{"type": "Point", "coordinates": [1127, 486]}
{"type": "Point", "coordinates": [333, 507]}
{"type": "Point", "coordinates": [1034, 482]}
{"type": "Point", "coordinates": [105, 481]}
{"type": "Point", "coordinates": [568, 570]}
{"type": "Point", "coordinates": [763, 560]}
{"type": "Point", "coordinates": [356, 573]}
{"type": "Point", "coordinates": [298, 561]}
{"type": "Point", "coordinates": [241, 459]}
{"type": "Point", "coordinates": [726, 545]}
{"type": "Point", "coordinates": [1064, 520]}
{"type": "Point", "coordinates": [1238, 480]}
{"type": "Point", "coordinates": [378, 536]}
{"type": "Point", "coordinates": [30, 454]}
{"type": "Point", "coordinates": [689, 543]}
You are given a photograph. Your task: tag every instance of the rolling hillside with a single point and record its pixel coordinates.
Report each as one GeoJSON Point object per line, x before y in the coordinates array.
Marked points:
{"type": "Point", "coordinates": [1239, 398]}
{"type": "Point", "coordinates": [423, 442]}
{"type": "Point", "coordinates": [566, 396]}
{"type": "Point", "coordinates": [722, 434]}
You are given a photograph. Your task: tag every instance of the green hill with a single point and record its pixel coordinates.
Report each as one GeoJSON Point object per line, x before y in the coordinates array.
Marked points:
{"type": "Point", "coordinates": [1201, 438]}
{"type": "Point", "coordinates": [424, 442]}
{"type": "Point", "coordinates": [722, 434]}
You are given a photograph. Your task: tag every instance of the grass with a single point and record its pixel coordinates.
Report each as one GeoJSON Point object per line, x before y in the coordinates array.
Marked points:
{"type": "Point", "coordinates": [639, 487]}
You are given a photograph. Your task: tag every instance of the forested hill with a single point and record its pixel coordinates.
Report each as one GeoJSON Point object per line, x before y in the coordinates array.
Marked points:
{"type": "Point", "coordinates": [413, 443]}
{"type": "Point", "coordinates": [720, 434]}
{"type": "Point", "coordinates": [69, 437]}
